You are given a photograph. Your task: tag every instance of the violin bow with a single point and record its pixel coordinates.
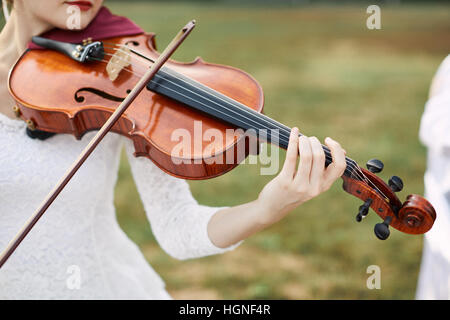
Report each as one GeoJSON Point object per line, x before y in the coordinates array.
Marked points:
{"type": "Point", "coordinates": [165, 55]}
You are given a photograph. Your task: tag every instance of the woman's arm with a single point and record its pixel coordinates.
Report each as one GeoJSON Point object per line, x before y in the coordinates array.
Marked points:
{"type": "Point", "coordinates": [186, 229]}
{"type": "Point", "coordinates": [289, 189]}
{"type": "Point", "coordinates": [178, 222]}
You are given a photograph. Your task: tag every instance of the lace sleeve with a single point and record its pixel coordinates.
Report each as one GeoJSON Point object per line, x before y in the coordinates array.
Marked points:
{"type": "Point", "coordinates": [178, 222]}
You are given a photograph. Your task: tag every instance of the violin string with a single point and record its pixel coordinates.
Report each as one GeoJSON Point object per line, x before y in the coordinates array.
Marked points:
{"type": "Point", "coordinates": [130, 50]}
{"type": "Point", "coordinates": [121, 50]}
{"type": "Point", "coordinates": [354, 167]}
{"type": "Point", "coordinates": [273, 121]}
{"type": "Point", "coordinates": [285, 137]}
{"type": "Point", "coordinates": [145, 65]}
{"type": "Point", "coordinates": [269, 119]}
{"type": "Point", "coordinates": [350, 165]}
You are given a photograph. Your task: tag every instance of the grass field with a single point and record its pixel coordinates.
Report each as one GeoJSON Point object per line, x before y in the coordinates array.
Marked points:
{"type": "Point", "coordinates": [323, 71]}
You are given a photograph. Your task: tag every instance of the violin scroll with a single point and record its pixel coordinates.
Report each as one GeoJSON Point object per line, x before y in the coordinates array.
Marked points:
{"type": "Point", "coordinates": [414, 216]}
{"type": "Point", "coordinates": [417, 214]}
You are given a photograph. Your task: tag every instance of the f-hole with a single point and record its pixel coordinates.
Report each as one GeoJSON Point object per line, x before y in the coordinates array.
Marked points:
{"type": "Point", "coordinates": [80, 98]}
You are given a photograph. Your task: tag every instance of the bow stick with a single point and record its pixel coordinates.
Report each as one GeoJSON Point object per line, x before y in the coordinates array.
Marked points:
{"type": "Point", "coordinates": [165, 55]}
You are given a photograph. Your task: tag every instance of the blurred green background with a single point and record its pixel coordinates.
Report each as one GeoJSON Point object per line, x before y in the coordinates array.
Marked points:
{"type": "Point", "coordinates": [323, 71]}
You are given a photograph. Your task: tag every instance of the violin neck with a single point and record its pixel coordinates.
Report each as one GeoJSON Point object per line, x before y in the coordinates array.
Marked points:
{"type": "Point", "coordinates": [202, 98]}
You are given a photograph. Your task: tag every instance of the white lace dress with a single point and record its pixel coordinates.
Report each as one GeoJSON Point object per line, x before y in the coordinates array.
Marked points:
{"type": "Point", "coordinates": [77, 249]}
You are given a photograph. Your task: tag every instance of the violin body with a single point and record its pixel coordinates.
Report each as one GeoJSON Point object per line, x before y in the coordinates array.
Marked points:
{"type": "Point", "coordinates": [55, 93]}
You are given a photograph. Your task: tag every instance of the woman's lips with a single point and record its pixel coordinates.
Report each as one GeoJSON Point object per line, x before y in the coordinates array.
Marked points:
{"type": "Point", "coordinates": [83, 5]}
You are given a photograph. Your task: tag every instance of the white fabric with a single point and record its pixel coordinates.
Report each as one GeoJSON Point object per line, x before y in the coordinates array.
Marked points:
{"type": "Point", "coordinates": [434, 278]}
{"type": "Point", "coordinates": [80, 228]}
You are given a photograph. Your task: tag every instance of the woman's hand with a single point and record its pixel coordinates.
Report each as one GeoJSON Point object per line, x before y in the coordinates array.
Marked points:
{"type": "Point", "coordinates": [292, 187]}
{"type": "Point", "coordinates": [296, 185]}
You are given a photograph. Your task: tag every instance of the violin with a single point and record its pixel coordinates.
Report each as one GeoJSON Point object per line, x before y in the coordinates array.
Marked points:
{"type": "Point", "coordinates": [74, 88]}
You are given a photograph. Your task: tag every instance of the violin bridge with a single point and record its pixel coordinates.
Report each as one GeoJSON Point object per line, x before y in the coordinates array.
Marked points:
{"type": "Point", "coordinates": [119, 61]}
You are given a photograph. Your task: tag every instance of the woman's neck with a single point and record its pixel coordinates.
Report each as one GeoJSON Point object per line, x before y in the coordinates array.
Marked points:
{"type": "Point", "coordinates": [16, 34]}
{"type": "Point", "coordinates": [14, 39]}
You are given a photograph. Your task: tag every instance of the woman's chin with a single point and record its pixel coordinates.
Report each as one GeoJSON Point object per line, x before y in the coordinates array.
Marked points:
{"type": "Point", "coordinates": [73, 25]}
{"type": "Point", "coordinates": [65, 21]}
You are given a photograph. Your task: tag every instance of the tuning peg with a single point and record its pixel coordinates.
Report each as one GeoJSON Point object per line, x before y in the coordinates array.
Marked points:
{"type": "Point", "coordinates": [382, 229]}
{"type": "Point", "coordinates": [395, 183]}
{"type": "Point", "coordinates": [374, 165]}
{"type": "Point", "coordinates": [363, 210]}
